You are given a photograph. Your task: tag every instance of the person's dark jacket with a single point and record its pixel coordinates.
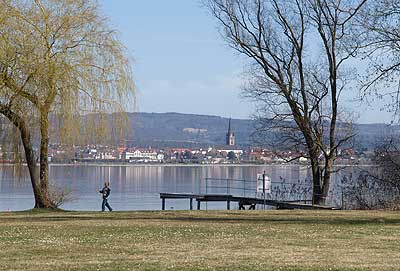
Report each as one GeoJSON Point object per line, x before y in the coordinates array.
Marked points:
{"type": "Point", "coordinates": [105, 191]}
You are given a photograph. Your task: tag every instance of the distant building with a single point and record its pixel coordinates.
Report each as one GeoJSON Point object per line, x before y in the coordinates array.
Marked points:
{"type": "Point", "coordinates": [224, 149]}
{"type": "Point", "coordinates": [230, 136]}
{"type": "Point", "coordinates": [142, 155]}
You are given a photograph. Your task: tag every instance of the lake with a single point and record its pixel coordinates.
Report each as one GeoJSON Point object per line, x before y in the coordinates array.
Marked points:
{"type": "Point", "coordinates": [137, 187]}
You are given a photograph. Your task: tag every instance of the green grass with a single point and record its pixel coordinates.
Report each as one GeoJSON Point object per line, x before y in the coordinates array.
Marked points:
{"type": "Point", "coordinates": [200, 240]}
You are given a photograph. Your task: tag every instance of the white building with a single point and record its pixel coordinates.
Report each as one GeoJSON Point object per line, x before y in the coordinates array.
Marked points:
{"type": "Point", "coordinates": [142, 154]}
{"type": "Point", "coordinates": [237, 152]}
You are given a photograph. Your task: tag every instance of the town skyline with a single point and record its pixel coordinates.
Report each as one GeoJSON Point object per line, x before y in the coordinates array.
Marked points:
{"type": "Point", "coordinates": [227, 151]}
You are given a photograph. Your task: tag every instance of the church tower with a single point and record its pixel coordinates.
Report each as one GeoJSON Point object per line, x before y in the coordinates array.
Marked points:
{"type": "Point", "coordinates": [230, 136]}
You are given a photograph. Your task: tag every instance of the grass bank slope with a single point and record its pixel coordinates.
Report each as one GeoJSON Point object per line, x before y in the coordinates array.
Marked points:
{"type": "Point", "coordinates": [200, 240]}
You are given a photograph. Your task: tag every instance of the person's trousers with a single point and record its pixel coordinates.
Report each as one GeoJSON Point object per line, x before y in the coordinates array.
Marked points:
{"type": "Point", "coordinates": [104, 205]}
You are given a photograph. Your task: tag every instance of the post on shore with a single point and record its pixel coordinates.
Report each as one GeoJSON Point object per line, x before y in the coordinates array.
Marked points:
{"type": "Point", "coordinates": [163, 204]}
{"type": "Point", "coordinates": [263, 176]}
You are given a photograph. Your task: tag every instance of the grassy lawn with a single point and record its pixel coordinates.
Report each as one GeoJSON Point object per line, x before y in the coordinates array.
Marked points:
{"type": "Point", "coordinates": [200, 240]}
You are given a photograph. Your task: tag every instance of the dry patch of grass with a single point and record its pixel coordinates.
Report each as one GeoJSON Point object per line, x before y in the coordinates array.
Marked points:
{"type": "Point", "coordinates": [200, 240]}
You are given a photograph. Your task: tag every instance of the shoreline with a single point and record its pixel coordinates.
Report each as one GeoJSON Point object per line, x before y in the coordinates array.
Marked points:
{"type": "Point", "coordinates": [92, 164]}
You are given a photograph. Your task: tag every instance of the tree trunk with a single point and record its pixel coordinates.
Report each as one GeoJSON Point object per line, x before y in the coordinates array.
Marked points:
{"type": "Point", "coordinates": [31, 163]}
{"type": "Point", "coordinates": [321, 182]}
{"type": "Point", "coordinates": [44, 162]}
{"type": "Point", "coordinates": [327, 178]}
{"type": "Point", "coordinates": [317, 193]}
{"type": "Point", "coordinates": [313, 152]}
{"type": "Point", "coordinates": [325, 187]}
{"type": "Point", "coordinates": [29, 153]}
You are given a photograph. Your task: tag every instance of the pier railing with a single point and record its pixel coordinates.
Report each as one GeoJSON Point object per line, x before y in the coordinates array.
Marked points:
{"type": "Point", "coordinates": [282, 190]}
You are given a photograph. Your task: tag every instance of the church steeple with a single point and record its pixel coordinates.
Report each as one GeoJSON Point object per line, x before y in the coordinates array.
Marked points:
{"type": "Point", "coordinates": [230, 136]}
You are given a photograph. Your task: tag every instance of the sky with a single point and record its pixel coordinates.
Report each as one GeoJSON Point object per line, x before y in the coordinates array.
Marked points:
{"type": "Point", "coordinates": [181, 63]}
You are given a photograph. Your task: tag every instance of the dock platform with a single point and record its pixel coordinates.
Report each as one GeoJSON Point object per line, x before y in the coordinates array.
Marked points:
{"type": "Point", "coordinates": [241, 201]}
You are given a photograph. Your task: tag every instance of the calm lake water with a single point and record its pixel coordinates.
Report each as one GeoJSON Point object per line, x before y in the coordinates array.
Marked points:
{"type": "Point", "coordinates": [137, 187]}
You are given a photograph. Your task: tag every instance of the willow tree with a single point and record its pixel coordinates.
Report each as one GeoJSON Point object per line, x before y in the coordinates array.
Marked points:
{"type": "Point", "coordinates": [58, 58]}
{"type": "Point", "coordinates": [297, 50]}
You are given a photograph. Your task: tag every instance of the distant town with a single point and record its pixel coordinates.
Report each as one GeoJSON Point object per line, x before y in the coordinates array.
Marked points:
{"type": "Point", "coordinates": [230, 153]}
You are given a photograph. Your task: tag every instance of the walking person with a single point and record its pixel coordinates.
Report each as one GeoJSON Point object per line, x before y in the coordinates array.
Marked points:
{"type": "Point", "coordinates": [105, 193]}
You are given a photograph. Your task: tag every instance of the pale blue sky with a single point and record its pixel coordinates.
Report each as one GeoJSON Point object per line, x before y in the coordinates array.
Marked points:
{"type": "Point", "coordinates": [181, 64]}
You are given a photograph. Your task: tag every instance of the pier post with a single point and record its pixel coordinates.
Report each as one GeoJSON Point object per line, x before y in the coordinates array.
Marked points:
{"type": "Point", "coordinates": [228, 204]}
{"type": "Point", "coordinates": [163, 204]}
{"type": "Point", "coordinates": [191, 203]}
{"type": "Point", "coordinates": [263, 176]}
{"type": "Point", "coordinates": [198, 205]}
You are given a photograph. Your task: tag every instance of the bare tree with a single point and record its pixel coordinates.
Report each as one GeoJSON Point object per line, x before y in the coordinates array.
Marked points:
{"type": "Point", "coordinates": [377, 186]}
{"type": "Point", "coordinates": [297, 50]}
{"type": "Point", "coordinates": [61, 58]}
{"type": "Point", "coordinates": [387, 159]}
{"type": "Point", "coordinates": [380, 38]}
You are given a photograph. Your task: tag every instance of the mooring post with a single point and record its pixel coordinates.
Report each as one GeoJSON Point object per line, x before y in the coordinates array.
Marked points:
{"type": "Point", "coordinates": [191, 203]}
{"type": "Point", "coordinates": [198, 205]}
{"type": "Point", "coordinates": [228, 204]}
{"type": "Point", "coordinates": [163, 204]}
{"type": "Point", "coordinates": [264, 189]}
{"type": "Point", "coordinates": [342, 207]}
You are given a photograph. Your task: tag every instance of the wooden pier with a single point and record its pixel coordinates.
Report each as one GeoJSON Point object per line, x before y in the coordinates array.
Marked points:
{"type": "Point", "coordinates": [240, 200]}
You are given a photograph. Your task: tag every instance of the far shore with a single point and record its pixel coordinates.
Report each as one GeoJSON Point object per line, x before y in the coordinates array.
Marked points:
{"type": "Point", "coordinates": [107, 164]}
